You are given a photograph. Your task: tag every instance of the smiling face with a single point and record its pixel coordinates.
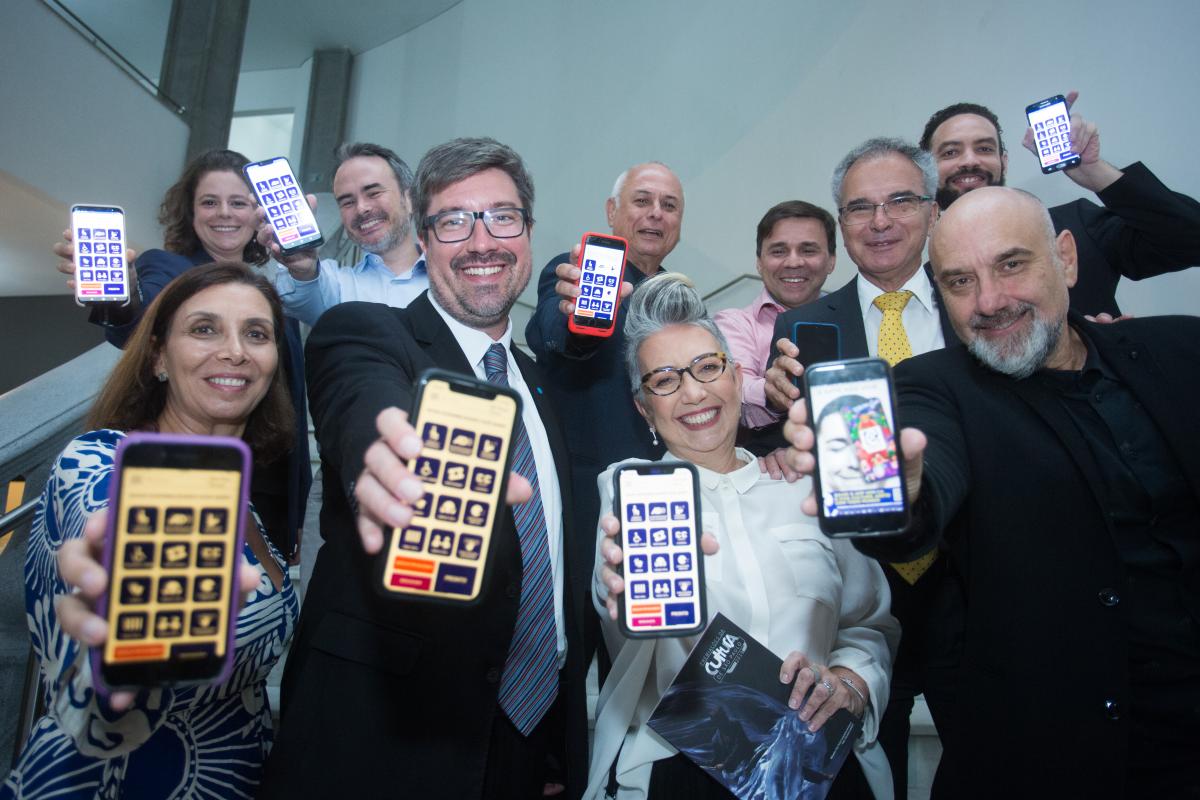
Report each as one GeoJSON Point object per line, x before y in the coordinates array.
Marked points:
{"type": "Point", "coordinates": [220, 356]}
{"type": "Point", "coordinates": [967, 151]}
{"type": "Point", "coordinates": [840, 467]}
{"type": "Point", "coordinates": [478, 280]}
{"type": "Point", "coordinates": [223, 214]}
{"type": "Point", "coordinates": [1004, 278]}
{"type": "Point", "coordinates": [886, 251]}
{"type": "Point", "coordinates": [697, 423]}
{"type": "Point", "coordinates": [795, 261]}
{"type": "Point", "coordinates": [374, 211]}
{"type": "Point", "coordinates": [648, 214]}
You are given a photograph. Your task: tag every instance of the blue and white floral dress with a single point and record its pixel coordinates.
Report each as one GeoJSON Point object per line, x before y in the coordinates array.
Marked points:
{"type": "Point", "coordinates": [193, 742]}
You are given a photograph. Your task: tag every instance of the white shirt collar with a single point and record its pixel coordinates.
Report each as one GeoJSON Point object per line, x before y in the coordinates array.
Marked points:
{"type": "Point", "coordinates": [473, 342]}
{"type": "Point", "coordinates": [919, 284]}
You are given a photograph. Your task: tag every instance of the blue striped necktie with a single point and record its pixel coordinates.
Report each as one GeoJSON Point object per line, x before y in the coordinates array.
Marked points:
{"type": "Point", "coordinates": [530, 680]}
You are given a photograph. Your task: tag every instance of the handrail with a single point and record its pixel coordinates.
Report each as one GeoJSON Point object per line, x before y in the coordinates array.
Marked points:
{"type": "Point", "coordinates": [17, 516]}
{"type": "Point", "coordinates": [745, 276]}
{"type": "Point", "coordinates": [37, 419]}
{"type": "Point", "coordinates": [113, 54]}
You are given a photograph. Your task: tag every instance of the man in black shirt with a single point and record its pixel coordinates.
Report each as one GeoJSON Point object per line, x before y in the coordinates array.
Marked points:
{"type": "Point", "coordinates": [1057, 459]}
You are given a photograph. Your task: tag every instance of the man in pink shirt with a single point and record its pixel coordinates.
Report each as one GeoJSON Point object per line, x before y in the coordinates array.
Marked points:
{"type": "Point", "coordinates": [796, 253]}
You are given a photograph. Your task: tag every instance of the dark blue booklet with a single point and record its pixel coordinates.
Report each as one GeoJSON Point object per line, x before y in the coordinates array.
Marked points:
{"type": "Point", "coordinates": [727, 711]}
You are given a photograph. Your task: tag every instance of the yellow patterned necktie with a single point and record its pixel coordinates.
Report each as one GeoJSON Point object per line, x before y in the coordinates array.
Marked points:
{"type": "Point", "coordinates": [893, 348]}
{"type": "Point", "coordinates": [893, 341]}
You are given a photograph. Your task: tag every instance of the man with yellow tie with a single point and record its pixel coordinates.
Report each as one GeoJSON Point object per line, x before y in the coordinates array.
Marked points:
{"type": "Point", "coordinates": [884, 191]}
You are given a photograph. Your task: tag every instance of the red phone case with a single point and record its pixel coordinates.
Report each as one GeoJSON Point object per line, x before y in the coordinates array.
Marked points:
{"type": "Point", "coordinates": [575, 322]}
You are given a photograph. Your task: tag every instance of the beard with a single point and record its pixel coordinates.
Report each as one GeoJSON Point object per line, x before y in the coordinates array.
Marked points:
{"type": "Point", "coordinates": [946, 194]}
{"type": "Point", "coordinates": [395, 235]}
{"type": "Point", "coordinates": [1020, 354]}
{"type": "Point", "coordinates": [478, 307]}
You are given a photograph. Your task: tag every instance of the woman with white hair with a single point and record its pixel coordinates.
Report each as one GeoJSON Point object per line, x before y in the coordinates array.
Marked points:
{"type": "Point", "coordinates": [815, 602]}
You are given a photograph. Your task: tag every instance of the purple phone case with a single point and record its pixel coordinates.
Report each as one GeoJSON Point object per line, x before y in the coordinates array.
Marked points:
{"type": "Point", "coordinates": [114, 488]}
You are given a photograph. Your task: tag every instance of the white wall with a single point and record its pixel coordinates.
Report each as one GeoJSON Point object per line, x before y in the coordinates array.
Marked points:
{"type": "Point", "coordinates": [75, 129]}
{"type": "Point", "coordinates": [755, 103]}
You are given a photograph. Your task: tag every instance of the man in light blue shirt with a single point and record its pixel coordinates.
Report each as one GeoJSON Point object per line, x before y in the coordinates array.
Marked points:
{"type": "Point", "coordinates": [371, 187]}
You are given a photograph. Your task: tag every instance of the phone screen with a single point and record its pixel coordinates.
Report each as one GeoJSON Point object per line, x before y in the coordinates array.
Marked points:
{"type": "Point", "coordinates": [858, 457]}
{"type": "Point", "coordinates": [658, 507]}
{"type": "Point", "coordinates": [175, 545]}
{"type": "Point", "coordinates": [100, 271]}
{"type": "Point", "coordinates": [288, 212]}
{"type": "Point", "coordinates": [601, 262]}
{"type": "Point", "coordinates": [1051, 123]}
{"type": "Point", "coordinates": [466, 428]}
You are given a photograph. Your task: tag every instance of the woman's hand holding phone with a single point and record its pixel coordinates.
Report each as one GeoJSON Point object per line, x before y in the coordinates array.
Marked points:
{"type": "Point", "coordinates": [612, 557]}
{"type": "Point", "coordinates": [65, 250]}
{"type": "Point", "coordinates": [80, 568]}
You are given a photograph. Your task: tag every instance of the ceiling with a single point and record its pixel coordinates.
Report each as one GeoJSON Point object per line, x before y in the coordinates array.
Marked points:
{"type": "Point", "coordinates": [279, 33]}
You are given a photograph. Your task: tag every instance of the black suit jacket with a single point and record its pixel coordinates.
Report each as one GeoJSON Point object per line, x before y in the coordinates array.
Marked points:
{"type": "Point", "coordinates": [1013, 486]}
{"type": "Point", "coordinates": [1143, 230]}
{"type": "Point", "coordinates": [385, 697]}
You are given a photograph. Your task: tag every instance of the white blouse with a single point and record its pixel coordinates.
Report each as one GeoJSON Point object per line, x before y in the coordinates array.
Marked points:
{"type": "Point", "coordinates": [779, 578]}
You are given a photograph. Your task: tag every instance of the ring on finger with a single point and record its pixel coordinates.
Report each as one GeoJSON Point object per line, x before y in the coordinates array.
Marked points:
{"type": "Point", "coordinates": [828, 686]}
{"type": "Point", "coordinates": [815, 671]}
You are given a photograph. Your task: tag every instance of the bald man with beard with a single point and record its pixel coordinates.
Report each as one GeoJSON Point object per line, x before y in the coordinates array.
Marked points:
{"type": "Point", "coordinates": [1052, 456]}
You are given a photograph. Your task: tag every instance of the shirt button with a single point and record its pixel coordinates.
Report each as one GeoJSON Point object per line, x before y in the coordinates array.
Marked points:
{"type": "Point", "coordinates": [1109, 597]}
{"type": "Point", "coordinates": [1112, 710]}
{"type": "Point", "coordinates": [512, 590]}
{"type": "Point", "coordinates": [492, 676]}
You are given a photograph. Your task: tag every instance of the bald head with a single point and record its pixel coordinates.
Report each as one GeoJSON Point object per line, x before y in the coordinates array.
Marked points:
{"type": "Point", "coordinates": [646, 209]}
{"type": "Point", "coordinates": [987, 207]}
{"type": "Point", "coordinates": [1004, 277]}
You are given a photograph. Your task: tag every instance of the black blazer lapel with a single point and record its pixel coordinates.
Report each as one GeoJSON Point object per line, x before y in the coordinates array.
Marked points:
{"type": "Point", "coordinates": [1135, 364]}
{"type": "Point", "coordinates": [434, 337]}
{"type": "Point", "coordinates": [846, 313]}
{"type": "Point", "coordinates": [949, 337]}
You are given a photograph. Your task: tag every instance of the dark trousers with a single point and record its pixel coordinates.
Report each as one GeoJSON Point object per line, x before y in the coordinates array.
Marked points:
{"type": "Point", "coordinates": [931, 620]}
{"type": "Point", "coordinates": [517, 766]}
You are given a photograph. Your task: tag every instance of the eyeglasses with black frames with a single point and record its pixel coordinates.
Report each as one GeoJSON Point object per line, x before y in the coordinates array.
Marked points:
{"type": "Point", "coordinates": [457, 226]}
{"type": "Point", "coordinates": [704, 368]}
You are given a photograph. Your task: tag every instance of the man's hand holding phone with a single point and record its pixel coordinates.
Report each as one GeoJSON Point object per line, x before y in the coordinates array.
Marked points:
{"type": "Point", "coordinates": [1093, 173]}
{"type": "Point", "coordinates": [65, 250]}
{"type": "Point", "coordinates": [302, 264]}
{"type": "Point", "coordinates": [567, 287]}
{"type": "Point", "coordinates": [779, 387]}
{"type": "Point", "coordinates": [802, 440]}
{"type": "Point", "coordinates": [386, 489]}
{"type": "Point", "coordinates": [79, 564]}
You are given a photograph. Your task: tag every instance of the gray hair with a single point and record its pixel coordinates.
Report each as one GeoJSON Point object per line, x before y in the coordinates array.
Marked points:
{"type": "Point", "coordinates": [668, 298]}
{"type": "Point", "coordinates": [349, 150]}
{"type": "Point", "coordinates": [882, 146]}
{"type": "Point", "coordinates": [458, 160]}
{"type": "Point", "coordinates": [619, 184]}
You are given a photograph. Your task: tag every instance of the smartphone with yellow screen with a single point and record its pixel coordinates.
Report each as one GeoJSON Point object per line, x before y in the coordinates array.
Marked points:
{"type": "Point", "coordinates": [175, 534]}
{"type": "Point", "coordinates": [467, 428]}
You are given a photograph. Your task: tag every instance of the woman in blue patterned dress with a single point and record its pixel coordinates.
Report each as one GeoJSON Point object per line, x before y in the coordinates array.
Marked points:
{"type": "Point", "coordinates": [203, 361]}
